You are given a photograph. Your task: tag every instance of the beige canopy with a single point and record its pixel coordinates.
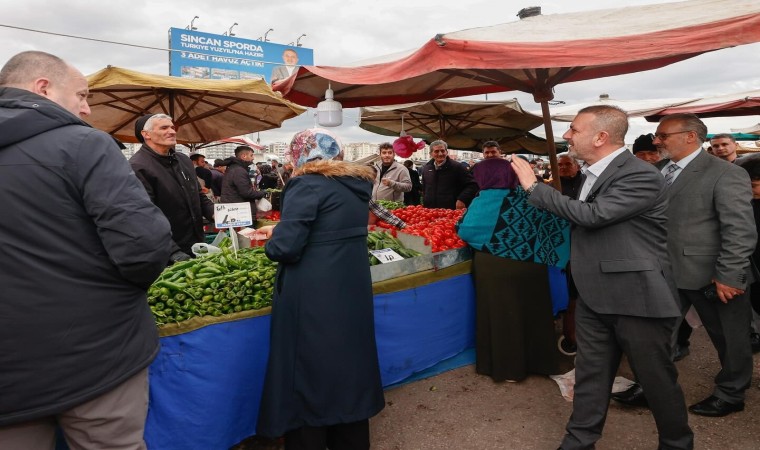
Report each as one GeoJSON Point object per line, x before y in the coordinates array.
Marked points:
{"type": "Point", "coordinates": [203, 110]}
{"type": "Point", "coordinates": [463, 124]}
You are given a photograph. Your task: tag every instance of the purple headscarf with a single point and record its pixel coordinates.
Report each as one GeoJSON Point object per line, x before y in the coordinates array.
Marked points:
{"type": "Point", "coordinates": [494, 173]}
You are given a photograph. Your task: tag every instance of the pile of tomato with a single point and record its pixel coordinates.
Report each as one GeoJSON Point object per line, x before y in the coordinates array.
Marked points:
{"type": "Point", "coordinates": [273, 216]}
{"type": "Point", "coordinates": [436, 225]}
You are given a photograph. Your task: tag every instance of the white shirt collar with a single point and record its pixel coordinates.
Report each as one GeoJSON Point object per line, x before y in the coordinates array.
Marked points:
{"type": "Point", "coordinates": [598, 167]}
{"type": "Point", "coordinates": [689, 158]}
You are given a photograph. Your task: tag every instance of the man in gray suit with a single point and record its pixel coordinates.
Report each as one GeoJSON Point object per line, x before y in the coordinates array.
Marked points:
{"type": "Point", "coordinates": [621, 268]}
{"type": "Point", "coordinates": [711, 235]}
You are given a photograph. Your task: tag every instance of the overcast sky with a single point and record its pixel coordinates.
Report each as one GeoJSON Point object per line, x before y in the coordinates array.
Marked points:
{"type": "Point", "coordinates": [341, 32]}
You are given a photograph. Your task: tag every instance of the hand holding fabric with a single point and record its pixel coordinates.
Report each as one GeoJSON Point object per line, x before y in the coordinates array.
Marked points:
{"type": "Point", "coordinates": [524, 172]}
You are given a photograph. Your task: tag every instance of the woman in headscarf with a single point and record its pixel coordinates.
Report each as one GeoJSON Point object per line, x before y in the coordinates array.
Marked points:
{"type": "Point", "coordinates": [323, 379]}
{"type": "Point", "coordinates": [514, 244]}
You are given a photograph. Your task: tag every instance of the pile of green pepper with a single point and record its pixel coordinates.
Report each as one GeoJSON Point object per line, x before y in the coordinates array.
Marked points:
{"type": "Point", "coordinates": [213, 285]}
{"type": "Point", "coordinates": [390, 205]}
{"type": "Point", "coordinates": [378, 240]}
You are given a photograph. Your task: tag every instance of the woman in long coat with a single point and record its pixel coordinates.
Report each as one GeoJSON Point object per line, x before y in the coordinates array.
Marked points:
{"type": "Point", "coordinates": [323, 379]}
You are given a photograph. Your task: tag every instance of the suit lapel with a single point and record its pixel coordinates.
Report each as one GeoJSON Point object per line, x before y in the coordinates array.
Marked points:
{"type": "Point", "coordinates": [688, 174]}
{"type": "Point", "coordinates": [616, 163]}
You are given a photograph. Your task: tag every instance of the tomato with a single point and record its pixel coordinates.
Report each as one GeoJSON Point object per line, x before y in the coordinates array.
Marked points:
{"type": "Point", "coordinates": [435, 225]}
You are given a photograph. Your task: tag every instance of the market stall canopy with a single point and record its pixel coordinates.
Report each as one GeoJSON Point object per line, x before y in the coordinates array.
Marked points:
{"type": "Point", "coordinates": [754, 129]}
{"type": "Point", "coordinates": [728, 105]}
{"type": "Point", "coordinates": [634, 108]}
{"type": "Point", "coordinates": [239, 140]}
{"type": "Point", "coordinates": [463, 124]}
{"type": "Point", "coordinates": [535, 54]}
{"type": "Point", "coordinates": [203, 110]}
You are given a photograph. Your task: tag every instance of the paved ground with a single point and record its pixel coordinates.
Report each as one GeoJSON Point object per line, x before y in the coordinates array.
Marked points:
{"type": "Point", "coordinates": [462, 410]}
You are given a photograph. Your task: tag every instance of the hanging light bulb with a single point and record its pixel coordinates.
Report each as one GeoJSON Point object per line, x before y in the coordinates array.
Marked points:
{"type": "Point", "coordinates": [329, 112]}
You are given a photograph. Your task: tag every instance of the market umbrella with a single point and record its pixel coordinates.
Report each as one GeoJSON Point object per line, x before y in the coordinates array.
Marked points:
{"type": "Point", "coordinates": [754, 129]}
{"type": "Point", "coordinates": [535, 54]}
{"type": "Point", "coordinates": [634, 108]}
{"type": "Point", "coordinates": [727, 105]}
{"type": "Point", "coordinates": [463, 124]}
{"type": "Point", "coordinates": [203, 110]}
{"type": "Point", "coordinates": [233, 140]}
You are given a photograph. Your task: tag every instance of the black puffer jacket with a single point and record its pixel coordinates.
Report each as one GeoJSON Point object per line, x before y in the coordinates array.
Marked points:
{"type": "Point", "coordinates": [443, 187]}
{"type": "Point", "coordinates": [172, 186]}
{"type": "Point", "coordinates": [81, 243]}
{"type": "Point", "coordinates": [237, 186]}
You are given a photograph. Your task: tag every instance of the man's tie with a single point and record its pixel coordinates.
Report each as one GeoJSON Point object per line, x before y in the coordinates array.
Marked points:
{"type": "Point", "coordinates": [670, 173]}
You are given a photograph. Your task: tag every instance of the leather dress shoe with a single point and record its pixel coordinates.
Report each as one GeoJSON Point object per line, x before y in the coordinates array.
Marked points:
{"type": "Point", "coordinates": [680, 352]}
{"type": "Point", "coordinates": [712, 406]}
{"type": "Point", "coordinates": [633, 396]}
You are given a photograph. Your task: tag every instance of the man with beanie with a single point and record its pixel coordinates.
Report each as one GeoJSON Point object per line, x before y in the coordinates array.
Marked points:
{"type": "Point", "coordinates": [76, 333]}
{"type": "Point", "coordinates": [645, 150]}
{"type": "Point", "coordinates": [169, 178]}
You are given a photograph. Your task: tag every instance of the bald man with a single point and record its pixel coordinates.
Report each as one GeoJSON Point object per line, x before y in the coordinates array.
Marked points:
{"type": "Point", "coordinates": [76, 333]}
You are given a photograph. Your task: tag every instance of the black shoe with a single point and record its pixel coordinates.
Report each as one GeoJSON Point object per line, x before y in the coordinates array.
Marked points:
{"type": "Point", "coordinates": [712, 406]}
{"type": "Point", "coordinates": [633, 396]}
{"type": "Point", "coordinates": [754, 339]}
{"type": "Point", "coordinates": [681, 352]}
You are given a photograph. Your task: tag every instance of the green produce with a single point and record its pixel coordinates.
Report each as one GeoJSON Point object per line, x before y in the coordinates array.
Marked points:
{"type": "Point", "coordinates": [213, 285]}
{"type": "Point", "coordinates": [390, 205]}
{"type": "Point", "coordinates": [378, 240]}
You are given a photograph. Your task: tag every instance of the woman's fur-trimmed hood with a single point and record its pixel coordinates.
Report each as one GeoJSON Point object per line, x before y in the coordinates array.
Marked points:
{"type": "Point", "coordinates": [332, 168]}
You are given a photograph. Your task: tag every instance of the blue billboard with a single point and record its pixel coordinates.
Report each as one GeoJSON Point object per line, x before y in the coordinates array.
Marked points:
{"type": "Point", "coordinates": [195, 54]}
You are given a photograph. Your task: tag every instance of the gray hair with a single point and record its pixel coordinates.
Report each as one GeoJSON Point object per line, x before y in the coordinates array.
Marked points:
{"type": "Point", "coordinates": [689, 122]}
{"type": "Point", "coordinates": [26, 67]}
{"type": "Point", "coordinates": [439, 142]}
{"type": "Point", "coordinates": [149, 123]}
{"type": "Point", "coordinates": [610, 119]}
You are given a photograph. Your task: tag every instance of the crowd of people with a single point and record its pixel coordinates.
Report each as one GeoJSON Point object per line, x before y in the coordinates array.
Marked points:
{"type": "Point", "coordinates": [644, 235]}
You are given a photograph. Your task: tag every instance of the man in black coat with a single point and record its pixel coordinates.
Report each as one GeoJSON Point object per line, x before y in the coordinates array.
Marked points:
{"type": "Point", "coordinates": [236, 184]}
{"type": "Point", "coordinates": [82, 242]}
{"type": "Point", "coordinates": [169, 178]}
{"type": "Point", "coordinates": [446, 183]}
{"type": "Point", "coordinates": [413, 197]}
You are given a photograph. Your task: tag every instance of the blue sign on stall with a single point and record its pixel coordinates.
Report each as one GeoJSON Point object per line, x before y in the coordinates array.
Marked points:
{"type": "Point", "coordinates": [195, 54]}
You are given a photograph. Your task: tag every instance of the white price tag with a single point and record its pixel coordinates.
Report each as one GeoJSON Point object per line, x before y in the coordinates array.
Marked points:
{"type": "Point", "coordinates": [386, 255]}
{"type": "Point", "coordinates": [227, 215]}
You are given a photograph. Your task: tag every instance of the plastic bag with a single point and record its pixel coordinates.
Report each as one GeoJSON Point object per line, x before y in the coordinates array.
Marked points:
{"type": "Point", "coordinates": [202, 248]}
{"type": "Point", "coordinates": [263, 205]}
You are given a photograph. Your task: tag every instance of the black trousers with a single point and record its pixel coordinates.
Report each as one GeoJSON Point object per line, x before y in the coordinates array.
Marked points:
{"type": "Point", "coordinates": [344, 436]}
{"type": "Point", "coordinates": [602, 339]}
{"type": "Point", "coordinates": [728, 325]}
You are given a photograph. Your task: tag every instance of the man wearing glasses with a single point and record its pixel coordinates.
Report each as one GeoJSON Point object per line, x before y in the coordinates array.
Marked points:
{"type": "Point", "coordinates": [711, 235]}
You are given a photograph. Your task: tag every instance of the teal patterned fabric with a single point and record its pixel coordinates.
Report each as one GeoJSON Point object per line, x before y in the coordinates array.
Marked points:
{"type": "Point", "coordinates": [502, 222]}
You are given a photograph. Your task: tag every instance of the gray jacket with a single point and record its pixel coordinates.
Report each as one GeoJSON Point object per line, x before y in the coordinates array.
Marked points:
{"type": "Point", "coordinates": [619, 250]}
{"type": "Point", "coordinates": [400, 182]}
{"type": "Point", "coordinates": [711, 225]}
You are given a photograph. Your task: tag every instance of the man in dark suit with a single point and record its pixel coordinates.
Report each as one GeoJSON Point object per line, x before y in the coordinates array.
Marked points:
{"type": "Point", "coordinates": [711, 235]}
{"type": "Point", "coordinates": [621, 268]}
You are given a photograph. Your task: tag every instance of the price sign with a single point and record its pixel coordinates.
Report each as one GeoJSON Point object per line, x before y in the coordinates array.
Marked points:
{"type": "Point", "coordinates": [386, 255]}
{"type": "Point", "coordinates": [228, 215]}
